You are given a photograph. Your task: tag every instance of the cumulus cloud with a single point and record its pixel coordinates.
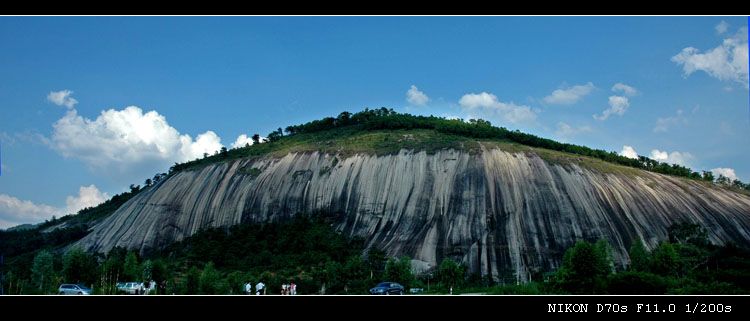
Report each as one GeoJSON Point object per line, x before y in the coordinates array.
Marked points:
{"type": "Point", "coordinates": [416, 97]}
{"type": "Point", "coordinates": [570, 95]}
{"type": "Point", "coordinates": [726, 172]}
{"type": "Point", "coordinates": [679, 158]}
{"type": "Point", "coordinates": [62, 98]}
{"type": "Point", "coordinates": [625, 89]}
{"type": "Point", "coordinates": [618, 105]}
{"type": "Point", "coordinates": [629, 152]}
{"type": "Point", "coordinates": [126, 138]}
{"type": "Point", "coordinates": [207, 142]}
{"type": "Point", "coordinates": [663, 124]}
{"type": "Point", "coordinates": [243, 140]}
{"type": "Point", "coordinates": [14, 211]}
{"type": "Point", "coordinates": [88, 196]}
{"type": "Point", "coordinates": [722, 27]}
{"type": "Point", "coordinates": [488, 105]}
{"type": "Point", "coordinates": [726, 62]}
{"type": "Point", "coordinates": [566, 131]}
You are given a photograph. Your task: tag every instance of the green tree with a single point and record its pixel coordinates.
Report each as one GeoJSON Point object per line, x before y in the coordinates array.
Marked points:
{"type": "Point", "coordinates": [332, 277]}
{"type": "Point", "coordinates": [209, 279]}
{"type": "Point", "coordinates": [160, 274]}
{"type": "Point", "coordinates": [146, 272]}
{"type": "Point", "coordinates": [131, 269]}
{"type": "Point", "coordinates": [43, 272]}
{"type": "Point", "coordinates": [640, 259]}
{"type": "Point", "coordinates": [343, 118]}
{"type": "Point", "coordinates": [375, 263]}
{"type": "Point", "coordinates": [355, 274]}
{"type": "Point", "coordinates": [113, 265]}
{"type": "Point", "coordinates": [665, 260]}
{"type": "Point", "coordinates": [604, 257]}
{"type": "Point", "coordinates": [236, 281]}
{"type": "Point", "coordinates": [688, 233]}
{"type": "Point", "coordinates": [585, 268]}
{"type": "Point", "coordinates": [450, 273]}
{"type": "Point", "coordinates": [79, 267]}
{"type": "Point", "coordinates": [399, 271]}
{"type": "Point", "coordinates": [256, 139]}
{"type": "Point", "coordinates": [192, 281]}
{"type": "Point", "coordinates": [275, 135]}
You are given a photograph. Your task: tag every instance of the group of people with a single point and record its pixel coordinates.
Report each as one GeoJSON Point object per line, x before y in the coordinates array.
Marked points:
{"type": "Point", "coordinates": [260, 288]}
{"type": "Point", "coordinates": [289, 289]}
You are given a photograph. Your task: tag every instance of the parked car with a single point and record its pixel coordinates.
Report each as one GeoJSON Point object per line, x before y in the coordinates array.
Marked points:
{"type": "Point", "coordinates": [129, 287]}
{"type": "Point", "coordinates": [386, 288]}
{"type": "Point", "coordinates": [74, 289]}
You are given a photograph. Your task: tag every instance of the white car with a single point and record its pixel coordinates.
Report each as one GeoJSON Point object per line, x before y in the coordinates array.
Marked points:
{"type": "Point", "coordinates": [129, 287]}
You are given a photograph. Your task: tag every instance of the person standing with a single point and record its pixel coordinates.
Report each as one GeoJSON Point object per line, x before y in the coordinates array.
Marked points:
{"type": "Point", "coordinates": [248, 288]}
{"type": "Point", "coordinates": [260, 287]}
{"type": "Point", "coordinates": [293, 288]}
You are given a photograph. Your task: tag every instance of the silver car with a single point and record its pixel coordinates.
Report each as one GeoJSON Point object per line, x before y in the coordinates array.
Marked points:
{"type": "Point", "coordinates": [74, 289]}
{"type": "Point", "coordinates": [129, 287]}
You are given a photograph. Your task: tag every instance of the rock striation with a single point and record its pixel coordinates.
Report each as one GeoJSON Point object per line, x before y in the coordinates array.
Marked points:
{"type": "Point", "coordinates": [504, 214]}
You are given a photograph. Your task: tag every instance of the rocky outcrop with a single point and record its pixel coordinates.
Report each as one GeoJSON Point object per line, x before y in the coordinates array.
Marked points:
{"type": "Point", "coordinates": [504, 214]}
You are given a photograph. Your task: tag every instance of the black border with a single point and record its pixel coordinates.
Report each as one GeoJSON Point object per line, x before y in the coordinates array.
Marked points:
{"type": "Point", "coordinates": [367, 307]}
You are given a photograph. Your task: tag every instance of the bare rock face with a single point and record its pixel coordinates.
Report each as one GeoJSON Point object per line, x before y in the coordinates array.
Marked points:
{"type": "Point", "coordinates": [505, 215]}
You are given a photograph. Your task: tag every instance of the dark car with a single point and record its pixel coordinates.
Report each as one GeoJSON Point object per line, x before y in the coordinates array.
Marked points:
{"type": "Point", "coordinates": [386, 288]}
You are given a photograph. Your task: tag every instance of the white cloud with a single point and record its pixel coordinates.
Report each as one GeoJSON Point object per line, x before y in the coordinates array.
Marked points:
{"type": "Point", "coordinates": [487, 105]}
{"type": "Point", "coordinates": [242, 140]}
{"type": "Point", "coordinates": [416, 97]}
{"type": "Point", "coordinates": [207, 142]}
{"type": "Point", "coordinates": [679, 158]}
{"type": "Point", "coordinates": [659, 155]}
{"type": "Point", "coordinates": [629, 152]}
{"type": "Point", "coordinates": [570, 95]}
{"type": "Point", "coordinates": [128, 138]}
{"type": "Point", "coordinates": [726, 172]}
{"type": "Point", "coordinates": [14, 211]}
{"type": "Point", "coordinates": [62, 98]}
{"type": "Point", "coordinates": [727, 62]}
{"type": "Point", "coordinates": [88, 196]}
{"type": "Point", "coordinates": [722, 27]}
{"type": "Point", "coordinates": [625, 89]}
{"type": "Point", "coordinates": [566, 131]}
{"type": "Point", "coordinates": [663, 124]}
{"type": "Point", "coordinates": [617, 106]}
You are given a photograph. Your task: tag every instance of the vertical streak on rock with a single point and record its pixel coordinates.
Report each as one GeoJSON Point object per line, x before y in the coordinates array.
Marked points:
{"type": "Point", "coordinates": [505, 215]}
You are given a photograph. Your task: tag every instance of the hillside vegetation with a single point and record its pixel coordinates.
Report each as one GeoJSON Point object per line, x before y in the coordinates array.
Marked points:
{"type": "Point", "coordinates": [384, 131]}
{"type": "Point", "coordinates": [310, 253]}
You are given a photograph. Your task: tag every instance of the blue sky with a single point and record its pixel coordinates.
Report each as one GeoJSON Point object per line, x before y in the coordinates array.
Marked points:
{"type": "Point", "coordinates": [671, 88]}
